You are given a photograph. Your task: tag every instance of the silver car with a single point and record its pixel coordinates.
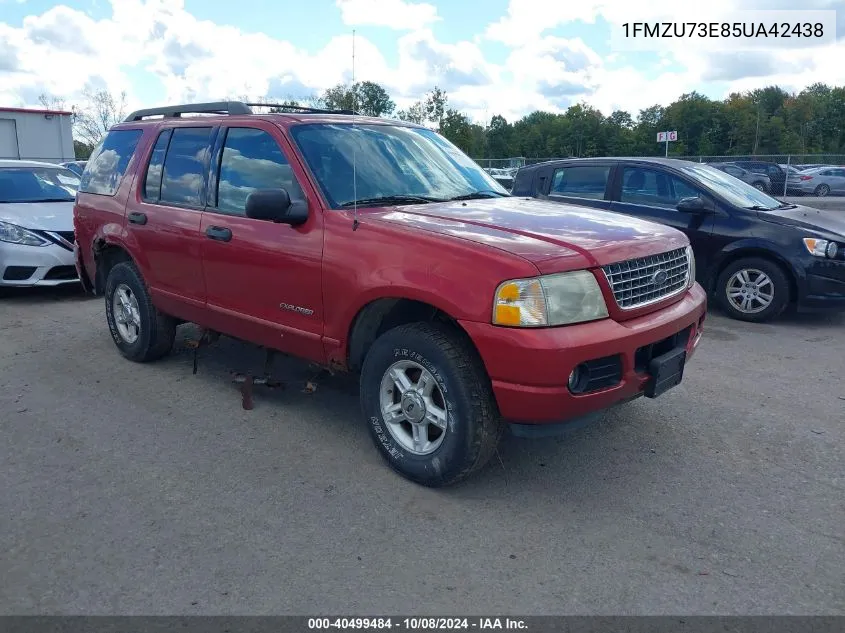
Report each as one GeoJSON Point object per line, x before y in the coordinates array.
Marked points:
{"type": "Point", "coordinates": [821, 181]}
{"type": "Point", "coordinates": [36, 224]}
{"type": "Point", "coordinates": [756, 180]}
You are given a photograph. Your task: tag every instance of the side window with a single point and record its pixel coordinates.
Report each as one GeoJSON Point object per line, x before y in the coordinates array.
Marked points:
{"type": "Point", "coordinates": [109, 161]}
{"type": "Point", "coordinates": [581, 181]}
{"type": "Point", "coordinates": [252, 160]}
{"type": "Point", "coordinates": [682, 190]}
{"type": "Point", "coordinates": [653, 188]}
{"type": "Point", "coordinates": [839, 172]}
{"type": "Point", "coordinates": [734, 171]}
{"type": "Point", "coordinates": [152, 180]}
{"type": "Point", "coordinates": [184, 166]}
{"type": "Point", "coordinates": [774, 171]}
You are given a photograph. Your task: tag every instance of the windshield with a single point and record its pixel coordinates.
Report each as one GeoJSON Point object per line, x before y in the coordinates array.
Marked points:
{"type": "Point", "coordinates": [393, 164]}
{"type": "Point", "coordinates": [37, 184]}
{"type": "Point", "coordinates": [734, 190]}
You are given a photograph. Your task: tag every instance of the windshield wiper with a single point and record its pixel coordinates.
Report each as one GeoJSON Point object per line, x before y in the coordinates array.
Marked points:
{"type": "Point", "coordinates": [45, 200]}
{"type": "Point", "coordinates": [391, 200]}
{"type": "Point", "coordinates": [478, 195]}
{"type": "Point", "coordinates": [786, 205]}
{"type": "Point", "coordinates": [758, 207]}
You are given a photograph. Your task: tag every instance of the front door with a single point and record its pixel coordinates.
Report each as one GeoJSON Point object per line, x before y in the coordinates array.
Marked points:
{"type": "Point", "coordinates": [262, 279]}
{"type": "Point", "coordinates": [653, 194]}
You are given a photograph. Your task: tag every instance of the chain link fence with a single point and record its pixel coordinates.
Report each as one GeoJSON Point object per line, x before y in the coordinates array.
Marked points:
{"type": "Point", "coordinates": [780, 159]}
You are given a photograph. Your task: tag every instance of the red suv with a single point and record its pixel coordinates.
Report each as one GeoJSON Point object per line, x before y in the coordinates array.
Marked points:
{"type": "Point", "coordinates": [376, 246]}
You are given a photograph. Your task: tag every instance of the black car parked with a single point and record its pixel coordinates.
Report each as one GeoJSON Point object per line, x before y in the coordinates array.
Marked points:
{"type": "Point", "coordinates": [757, 255]}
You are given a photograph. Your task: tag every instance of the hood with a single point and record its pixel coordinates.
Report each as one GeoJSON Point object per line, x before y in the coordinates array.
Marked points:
{"type": "Point", "coordinates": [824, 220]}
{"type": "Point", "coordinates": [555, 237]}
{"type": "Point", "coordinates": [40, 216]}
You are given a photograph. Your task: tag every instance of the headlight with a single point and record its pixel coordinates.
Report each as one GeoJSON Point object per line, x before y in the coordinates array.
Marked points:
{"type": "Point", "coordinates": [822, 248]}
{"type": "Point", "coordinates": [550, 300]}
{"type": "Point", "coordinates": [691, 259]}
{"type": "Point", "coordinates": [17, 235]}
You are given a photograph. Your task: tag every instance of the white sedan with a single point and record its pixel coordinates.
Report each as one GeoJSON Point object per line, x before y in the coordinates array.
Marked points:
{"type": "Point", "coordinates": [36, 224]}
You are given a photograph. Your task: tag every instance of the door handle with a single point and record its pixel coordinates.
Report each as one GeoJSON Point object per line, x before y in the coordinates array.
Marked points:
{"type": "Point", "coordinates": [137, 218]}
{"type": "Point", "coordinates": [219, 233]}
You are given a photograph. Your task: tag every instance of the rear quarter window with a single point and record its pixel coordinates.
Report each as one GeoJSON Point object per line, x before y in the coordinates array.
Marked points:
{"type": "Point", "coordinates": [107, 165]}
{"type": "Point", "coordinates": [581, 181]}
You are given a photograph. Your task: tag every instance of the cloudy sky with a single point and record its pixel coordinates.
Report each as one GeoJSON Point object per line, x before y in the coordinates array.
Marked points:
{"type": "Point", "coordinates": [491, 56]}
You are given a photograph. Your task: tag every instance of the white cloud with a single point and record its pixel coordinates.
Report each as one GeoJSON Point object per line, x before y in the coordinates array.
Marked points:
{"type": "Point", "coordinates": [62, 50]}
{"type": "Point", "coordinates": [395, 14]}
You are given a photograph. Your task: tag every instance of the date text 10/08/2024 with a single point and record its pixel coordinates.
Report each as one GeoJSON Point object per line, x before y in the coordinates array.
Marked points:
{"type": "Point", "coordinates": [418, 624]}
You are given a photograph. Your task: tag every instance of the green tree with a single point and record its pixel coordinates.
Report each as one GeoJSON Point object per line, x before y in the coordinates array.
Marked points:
{"type": "Point", "coordinates": [498, 137]}
{"type": "Point", "coordinates": [82, 151]}
{"type": "Point", "coordinates": [366, 97]}
{"type": "Point", "coordinates": [373, 100]}
{"type": "Point", "coordinates": [435, 106]}
{"type": "Point", "coordinates": [413, 114]}
{"type": "Point", "coordinates": [457, 127]}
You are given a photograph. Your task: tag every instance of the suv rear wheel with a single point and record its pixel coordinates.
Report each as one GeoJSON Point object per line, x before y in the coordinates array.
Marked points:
{"type": "Point", "coordinates": [753, 289]}
{"type": "Point", "coordinates": [429, 404]}
{"type": "Point", "coordinates": [140, 332]}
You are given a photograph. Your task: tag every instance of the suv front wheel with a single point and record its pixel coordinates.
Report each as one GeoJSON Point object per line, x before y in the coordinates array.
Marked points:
{"type": "Point", "coordinates": [140, 332]}
{"type": "Point", "coordinates": [429, 404]}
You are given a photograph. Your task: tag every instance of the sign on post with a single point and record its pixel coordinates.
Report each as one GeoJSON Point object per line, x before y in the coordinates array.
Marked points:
{"type": "Point", "coordinates": [665, 137]}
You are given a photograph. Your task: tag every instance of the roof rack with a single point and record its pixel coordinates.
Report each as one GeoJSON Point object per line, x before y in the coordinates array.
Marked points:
{"type": "Point", "coordinates": [297, 108]}
{"type": "Point", "coordinates": [224, 107]}
{"type": "Point", "coordinates": [176, 111]}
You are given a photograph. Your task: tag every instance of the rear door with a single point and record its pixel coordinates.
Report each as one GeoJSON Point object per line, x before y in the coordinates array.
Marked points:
{"type": "Point", "coordinates": [263, 278]}
{"type": "Point", "coordinates": [651, 192]}
{"type": "Point", "coordinates": [837, 181]}
{"type": "Point", "coordinates": [165, 221]}
{"type": "Point", "coordinates": [582, 184]}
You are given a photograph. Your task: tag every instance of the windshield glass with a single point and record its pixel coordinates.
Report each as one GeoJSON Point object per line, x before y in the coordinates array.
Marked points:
{"type": "Point", "coordinates": [734, 190]}
{"type": "Point", "coordinates": [391, 161]}
{"type": "Point", "coordinates": [37, 184]}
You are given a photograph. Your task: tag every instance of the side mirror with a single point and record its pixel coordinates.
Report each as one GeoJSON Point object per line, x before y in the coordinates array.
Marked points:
{"type": "Point", "coordinates": [275, 205]}
{"type": "Point", "coordinates": [695, 204]}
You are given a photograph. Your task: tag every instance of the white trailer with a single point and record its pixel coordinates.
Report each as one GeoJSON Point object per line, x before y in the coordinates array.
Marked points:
{"type": "Point", "coordinates": [44, 135]}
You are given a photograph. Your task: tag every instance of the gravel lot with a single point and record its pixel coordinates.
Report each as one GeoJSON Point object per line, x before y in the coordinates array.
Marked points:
{"type": "Point", "coordinates": [130, 489]}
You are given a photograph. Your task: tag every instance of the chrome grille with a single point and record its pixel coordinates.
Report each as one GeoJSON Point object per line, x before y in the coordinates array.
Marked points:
{"type": "Point", "coordinates": [633, 282]}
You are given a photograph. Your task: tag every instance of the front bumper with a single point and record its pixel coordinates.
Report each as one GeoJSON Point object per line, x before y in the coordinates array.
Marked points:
{"type": "Point", "coordinates": [824, 287]}
{"type": "Point", "coordinates": [530, 368]}
{"type": "Point", "coordinates": [25, 266]}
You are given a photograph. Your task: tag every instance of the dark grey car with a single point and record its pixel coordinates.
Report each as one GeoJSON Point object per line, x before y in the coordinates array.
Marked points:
{"type": "Point", "coordinates": [756, 180]}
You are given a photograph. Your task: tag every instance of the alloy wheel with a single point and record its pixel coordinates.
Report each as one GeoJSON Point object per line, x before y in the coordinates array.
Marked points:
{"type": "Point", "coordinates": [750, 290]}
{"type": "Point", "coordinates": [127, 316]}
{"type": "Point", "coordinates": [413, 407]}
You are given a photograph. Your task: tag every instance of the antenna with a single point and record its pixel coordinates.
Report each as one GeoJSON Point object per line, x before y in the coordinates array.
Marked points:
{"type": "Point", "coordinates": [355, 222]}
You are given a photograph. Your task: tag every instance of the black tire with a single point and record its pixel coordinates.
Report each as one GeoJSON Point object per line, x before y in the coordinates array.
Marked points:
{"type": "Point", "coordinates": [156, 331]}
{"type": "Point", "coordinates": [821, 191]}
{"type": "Point", "coordinates": [760, 185]}
{"type": "Point", "coordinates": [780, 287]}
{"type": "Point", "coordinates": [473, 424]}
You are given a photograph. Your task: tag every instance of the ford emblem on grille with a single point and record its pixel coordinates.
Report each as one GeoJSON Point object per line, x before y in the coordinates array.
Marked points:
{"type": "Point", "coordinates": [659, 277]}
